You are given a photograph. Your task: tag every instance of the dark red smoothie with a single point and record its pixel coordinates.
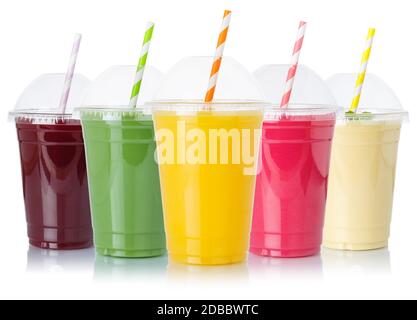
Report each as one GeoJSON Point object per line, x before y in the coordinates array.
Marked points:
{"type": "Point", "coordinates": [55, 184]}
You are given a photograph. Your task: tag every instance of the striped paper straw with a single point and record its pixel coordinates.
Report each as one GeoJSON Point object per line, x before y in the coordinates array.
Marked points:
{"type": "Point", "coordinates": [218, 56]}
{"type": "Point", "coordinates": [141, 64]}
{"type": "Point", "coordinates": [362, 72]}
{"type": "Point", "coordinates": [294, 65]}
{"type": "Point", "coordinates": [70, 73]}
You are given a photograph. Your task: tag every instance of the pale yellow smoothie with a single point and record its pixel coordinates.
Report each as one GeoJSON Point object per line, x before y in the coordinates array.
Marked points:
{"type": "Point", "coordinates": [361, 185]}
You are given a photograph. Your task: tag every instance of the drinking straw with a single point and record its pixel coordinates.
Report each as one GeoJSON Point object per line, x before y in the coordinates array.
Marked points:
{"type": "Point", "coordinates": [218, 56]}
{"type": "Point", "coordinates": [141, 64]}
{"type": "Point", "coordinates": [294, 65]}
{"type": "Point", "coordinates": [362, 72]}
{"type": "Point", "coordinates": [70, 73]}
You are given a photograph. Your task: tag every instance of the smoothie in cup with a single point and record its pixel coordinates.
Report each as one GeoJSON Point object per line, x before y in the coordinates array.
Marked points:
{"type": "Point", "coordinates": [363, 166]}
{"type": "Point", "coordinates": [54, 175]}
{"type": "Point", "coordinates": [291, 186]}
{"type": "Point", "coordinates": [207, 162]}
{"type": "Point", "coordinates": [362, 180]}
{"type": "Point", "coordinates": [124, 182]}
{"type": "Point", "coordinates": [122, 171]}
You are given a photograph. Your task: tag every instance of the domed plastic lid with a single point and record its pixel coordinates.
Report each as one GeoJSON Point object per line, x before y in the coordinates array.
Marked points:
{"type": "Point", "coordinates": [310, 96]}
{"type": "Point", "coordinates": [109, 95]}
{"type": "Point", "coordinates": [378, 101]}
{"type": "Point", "coordinates": [39, 102]}
{"type": "Point", "coordinates": [188, 80]}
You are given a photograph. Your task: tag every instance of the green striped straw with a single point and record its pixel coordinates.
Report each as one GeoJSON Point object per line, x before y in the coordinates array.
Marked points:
{"type": "Point", "coordinates": [141, 65]}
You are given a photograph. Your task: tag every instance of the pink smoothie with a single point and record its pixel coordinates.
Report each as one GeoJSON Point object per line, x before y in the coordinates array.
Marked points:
{"type": "Point", "coordinates": [291, 187]}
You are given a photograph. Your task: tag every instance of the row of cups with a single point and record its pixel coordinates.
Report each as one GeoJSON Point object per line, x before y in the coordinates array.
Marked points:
{"type": "Point", "coordinates": [213, 177]}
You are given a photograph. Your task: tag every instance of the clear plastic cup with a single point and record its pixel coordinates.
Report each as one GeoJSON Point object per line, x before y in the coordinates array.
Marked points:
{"type": "Point", "coordinates": [363, 166]}
{"type": "Point", "coordinates": [291, 185]}
{"type": "Point", "coordinates": [122, 172]}
{"type": "Point", "coordinates": [53, 165]}
{"type": "Point", "coordinates": [207, 160]}
{"type": "Point", "coordinates": [207, 183]}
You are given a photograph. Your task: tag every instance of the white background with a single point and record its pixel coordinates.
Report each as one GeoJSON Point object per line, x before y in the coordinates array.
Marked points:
{"type": "Point", "coordinates": [36, 37]}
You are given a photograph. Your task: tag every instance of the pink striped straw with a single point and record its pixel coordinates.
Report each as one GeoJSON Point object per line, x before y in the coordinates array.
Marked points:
{"type": "Point", "coordinates": [70, 73]}
{"type": "Point", "coordinates": [294, 65]}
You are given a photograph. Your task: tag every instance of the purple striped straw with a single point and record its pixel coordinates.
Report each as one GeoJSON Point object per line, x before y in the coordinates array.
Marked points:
{"type": "Point", "coordinates": [70, 73]}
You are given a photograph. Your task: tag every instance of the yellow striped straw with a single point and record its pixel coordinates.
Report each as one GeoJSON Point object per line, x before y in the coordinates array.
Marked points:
{"type": "Point", "coordinates": [362, 73]}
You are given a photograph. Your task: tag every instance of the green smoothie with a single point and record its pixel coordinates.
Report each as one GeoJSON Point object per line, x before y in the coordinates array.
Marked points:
{"type": "Point", "coordinates": [124, 185]}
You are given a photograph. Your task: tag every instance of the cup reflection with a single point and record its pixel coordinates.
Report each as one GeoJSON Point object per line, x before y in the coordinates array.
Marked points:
{"type": "Point", "coordinates": [376, 262]}
{"type": "Point", "coordinates": [309, 267]}
{"type": "Point", "coordinates": [122, 268]}
{"type": "Point", "coordinates": [211, 275]}
{"type": "Point", "coordinates": [39, 260]}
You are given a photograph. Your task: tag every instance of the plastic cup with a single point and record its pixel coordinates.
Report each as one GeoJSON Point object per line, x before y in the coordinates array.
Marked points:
{"type": "Point", "coordinates": [363, 167]}
{"type": "Point", "coordinates": [292, 182]}
{"type": "Point", "coordinates": [124, 182]}
{"type": "Point", "coordinates": [53, 165]}
{"type": "Point", "coordinates": [291, 186]}
{"type": "Point", "coordinates": [123, 175]}
{"type": "Point", "coordinates": [362, 180]}
{"type": "Point", "coordinates": [54, 183]}
{"type": "Point", "coordinates": [207, 183]}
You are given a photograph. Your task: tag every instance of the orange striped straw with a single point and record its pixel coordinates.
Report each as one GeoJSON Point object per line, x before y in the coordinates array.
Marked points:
{"type": "Point", "coordinates": [218, 57]}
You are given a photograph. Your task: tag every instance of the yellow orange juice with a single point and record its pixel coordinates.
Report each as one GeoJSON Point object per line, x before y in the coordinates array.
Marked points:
{"type": "Point", "coordinates": [207, 182]}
